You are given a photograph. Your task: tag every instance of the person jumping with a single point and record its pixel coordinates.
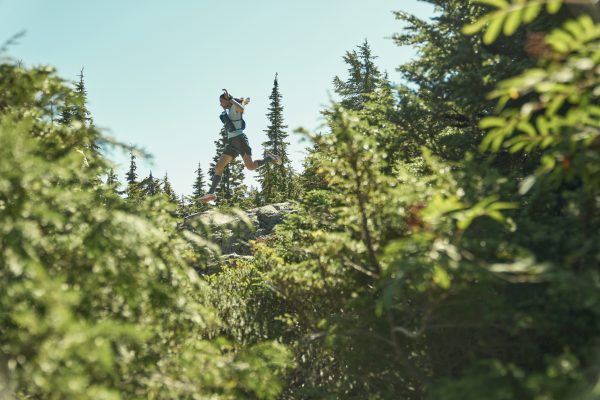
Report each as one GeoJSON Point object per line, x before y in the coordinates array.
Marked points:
{"type": "Point", "coordinates": [237, 142]}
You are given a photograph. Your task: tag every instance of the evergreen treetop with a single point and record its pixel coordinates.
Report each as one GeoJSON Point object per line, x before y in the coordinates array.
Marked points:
{"type": "Point", "coordinates": [275, 179]}
{"type": "Point", "coordinates": [131, 175]}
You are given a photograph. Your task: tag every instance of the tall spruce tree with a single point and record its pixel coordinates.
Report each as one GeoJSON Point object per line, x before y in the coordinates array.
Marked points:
{"type": "Point", "coordinates": [275, 179]}
{"type": "Point", "coordinates": [231, 190]}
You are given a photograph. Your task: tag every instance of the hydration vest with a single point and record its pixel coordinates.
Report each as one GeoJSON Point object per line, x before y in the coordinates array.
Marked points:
{"type": "Point", "coordinates": [229, 125]}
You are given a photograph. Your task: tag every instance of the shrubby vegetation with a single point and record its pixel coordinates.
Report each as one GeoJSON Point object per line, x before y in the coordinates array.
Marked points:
{"type": "Point", "coordinates": [445, 243]}
{"type": "Point", "coordinates": [100, 299]}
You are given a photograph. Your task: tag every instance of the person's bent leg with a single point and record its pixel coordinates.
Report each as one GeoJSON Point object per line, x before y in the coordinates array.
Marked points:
{"type": "Point", "coordinates": [252, 165]}
{"type": "Point", "coordinates": [249, 163]}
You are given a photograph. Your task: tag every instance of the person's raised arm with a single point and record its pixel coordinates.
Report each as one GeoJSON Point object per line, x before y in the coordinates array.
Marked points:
{"type": "Point", "coordinates": [240, 104]}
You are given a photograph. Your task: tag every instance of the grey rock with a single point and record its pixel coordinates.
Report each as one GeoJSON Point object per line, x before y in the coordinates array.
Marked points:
{"type": "Point", "coordinates": [232, 232]}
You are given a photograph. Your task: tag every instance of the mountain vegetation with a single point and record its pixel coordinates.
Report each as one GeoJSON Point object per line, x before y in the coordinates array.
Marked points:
{"type": "Point", "coordinates": [444, 242]}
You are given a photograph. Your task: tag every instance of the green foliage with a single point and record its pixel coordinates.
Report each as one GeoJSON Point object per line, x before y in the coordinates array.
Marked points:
{"type": "Point", "coordinates": [558, 117]}
{"type": "Point", "coordinates": [445, 247]}
{"type": "Point", "coordinates": [363, 77]}
{"type": "Point", "coordinates": [100, 300]}
{"type": "Point", "coordinates": [509, 16]}
{"type": "Point", "coordinates": [445, 97]}
{"type": "Point", "coordinates": [426, 260]}
{"type": "Point", "coordinates": [167, 189]}
{"type": "Point", "coordinates": [199, 183]}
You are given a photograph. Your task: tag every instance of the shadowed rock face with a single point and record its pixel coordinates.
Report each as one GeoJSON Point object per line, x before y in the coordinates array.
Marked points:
{"type": "Point", "coordinates": [233, 231]}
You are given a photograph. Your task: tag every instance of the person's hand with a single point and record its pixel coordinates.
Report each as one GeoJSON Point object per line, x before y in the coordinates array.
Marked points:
{"type": "Point", "coordinates": [246, 100]}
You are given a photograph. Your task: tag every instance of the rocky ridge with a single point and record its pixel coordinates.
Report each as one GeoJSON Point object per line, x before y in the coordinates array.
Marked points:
{"type": "Point", "coordinates": [233, 231]}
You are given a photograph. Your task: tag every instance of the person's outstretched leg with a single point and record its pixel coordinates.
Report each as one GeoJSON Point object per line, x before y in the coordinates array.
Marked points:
{"type": "Point", "coordinates": [254, 164]}
{"type": "Point", "coordinates": [216, 178]}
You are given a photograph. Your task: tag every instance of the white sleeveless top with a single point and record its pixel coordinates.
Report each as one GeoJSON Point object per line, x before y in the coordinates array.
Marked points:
{"type": "Point", "coordinates": [236, 118]}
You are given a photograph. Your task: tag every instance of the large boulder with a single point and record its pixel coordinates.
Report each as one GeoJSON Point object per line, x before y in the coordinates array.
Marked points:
{"type": "Point", "coordinates": [233, 231]}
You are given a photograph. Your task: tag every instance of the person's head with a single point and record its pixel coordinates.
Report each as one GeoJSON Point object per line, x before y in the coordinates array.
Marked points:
{"type": "Point", "coordinates": [225, 99]}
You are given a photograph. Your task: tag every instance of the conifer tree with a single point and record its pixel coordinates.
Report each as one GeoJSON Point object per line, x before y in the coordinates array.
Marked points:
{"type": "Point", "coordinates": [133, 186]}
{"type": "Point", "coordinates": [194, 206]}
{"type": "Point", "coordinates": [231, 189]}
{"type": "Point", "coordinates": [66, 115]}
{"type": "Point", "coordinates": [113, 181]}
{"type": "Point", "coordinates": [75, 105]}
{"type": "Point", "coordinates": [150, 185]}
{"type": "Point", "coordinates": [131, 174]}
{"type": "Point", "coordinates": [183, 207]}
{"type": "Point", "coordinates": [199, 183]}
{"type": "Point", "coordinates": [310, 178]}
{"type": "Point", "coordinates": [167, 189]}
{"type": "Point", "coordinates": [80, 111]}
{"type": "Point", "coordinates": [449, 80]}
{"type": "Point", "coordinates": [364, 78]}
{"type": "Point", "coordinates": [275, 179]}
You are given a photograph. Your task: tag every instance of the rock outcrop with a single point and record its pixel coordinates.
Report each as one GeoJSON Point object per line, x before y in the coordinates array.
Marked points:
{"type": "Point", "coordinates": [233, 231]}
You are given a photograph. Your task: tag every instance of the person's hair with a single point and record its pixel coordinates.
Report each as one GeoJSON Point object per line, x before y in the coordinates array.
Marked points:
{"type": "Point", "coordinates": [226, 96]}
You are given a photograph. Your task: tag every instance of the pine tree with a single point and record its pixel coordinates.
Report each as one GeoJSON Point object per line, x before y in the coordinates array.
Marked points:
{"type": "Point", "coordinates": [113, 181]}
{"type": "Point", "coordinates": [79, 109]}
{"type": "Point", "coordinates": [200, 189]}
{"type": "Point", "coordinates": [364, 78]}
{"type": "Point", "coordinates": [275, 179]}
{"type": "Point", "coordinates": [310, 179]}
{"type": "Point", "coordinates": [231, 189]}
{"type": "Point", "coordinates": [131, 174]}
{"type": "Point", "coordinates": [183, 208]}
{"type": "Point", "coordinates": [75, 105]}
{"type": "Point", "coordinates": [370, 92]}
{"type": "Point", "coordinates": [133, 186]}
{"type": "Point", "coordinates": [66, 115]}
{"type": "Point", "coordinates": [150, 185]}
{"type": "Point", "coordinates": [199, 183]}
{"type": "Point", "coordinates": [167, 189]}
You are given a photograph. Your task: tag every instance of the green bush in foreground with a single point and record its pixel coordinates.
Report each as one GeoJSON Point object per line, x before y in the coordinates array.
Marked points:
{"type": "Point", "coordinates": [99, 300]}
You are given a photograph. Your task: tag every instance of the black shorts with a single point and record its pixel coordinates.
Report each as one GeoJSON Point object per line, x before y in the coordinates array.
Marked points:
{"type": "Point", "coordinates": [238, 145]}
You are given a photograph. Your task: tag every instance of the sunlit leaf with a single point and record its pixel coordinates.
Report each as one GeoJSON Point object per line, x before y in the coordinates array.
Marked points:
{"type": "Point", "coordinates": [532, 10]}
{"type": "Point", "coordinates": [513, 20]}
{"type": "Point", "coordinates": [475, 27]}
{"type": "Point", "coordinates": [494, 3]}
{"type": "Point", "coordinates": [494, 29]}
{"type": "Point", "coordinates": [552, 6]}
{"type": "Point", "coordinates": [527, 184]}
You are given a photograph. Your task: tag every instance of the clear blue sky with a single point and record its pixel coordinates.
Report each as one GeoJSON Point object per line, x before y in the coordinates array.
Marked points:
{"type": "Point", "coordinates": [154, 69]}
